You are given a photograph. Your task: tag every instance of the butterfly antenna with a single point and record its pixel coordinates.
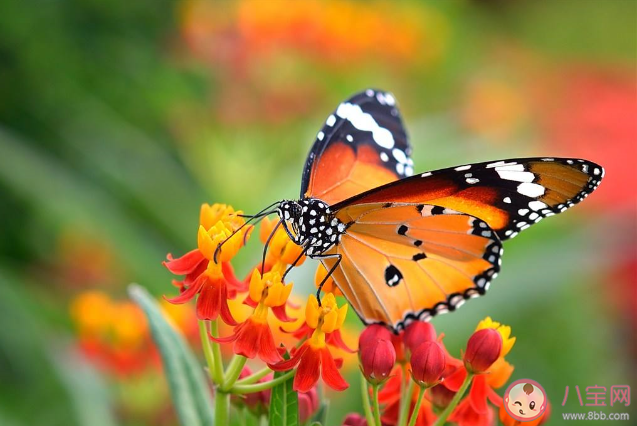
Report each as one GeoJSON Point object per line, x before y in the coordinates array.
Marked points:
{"type": "Point", "coordinates": [257, 218]}
{"type": "Point", "coordinates": [267, 243]}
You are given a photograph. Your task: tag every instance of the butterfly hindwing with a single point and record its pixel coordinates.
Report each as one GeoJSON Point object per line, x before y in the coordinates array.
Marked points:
{"type": "Point", "coordinates": [401, 262]}
{"type": "Point", "coordinates": [509, 195]}
{"type": "Point", "coordinates": [362, 145]}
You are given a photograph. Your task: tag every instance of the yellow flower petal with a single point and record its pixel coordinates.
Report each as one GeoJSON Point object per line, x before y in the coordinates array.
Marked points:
{"type": "Point", "coordinates": [205, 244]}
{"type": "Point", "coordinates": [256, 286]}
{"type": "Point", "coordinates": [312, 312]}
{"type": "Point", "coordinates": [330, 320]}
{"type": "Point", "coordinates": [342, 313]}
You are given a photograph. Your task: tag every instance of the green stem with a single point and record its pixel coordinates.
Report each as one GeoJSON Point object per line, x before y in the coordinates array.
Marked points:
{"type": "Point", "coordinates": [376, 405]}
{"type": "Point", "coordinates": [222, 408]}
{"type": "Point", "coordinates": [233, 371]}
{"type": "Point", "coordinates": [253, 378]}
{"type": "Point", "coordinates": [258, 387]}
{"type": "Point", "coordinates": [207, 350]}
{"type": "Point", "coordinates": [416, 410]}
{"type": "Point", "coordinates": [454, 402]}
{"type": "Point", "coordinates": [217, 369]}
{"type": "Point", "coordinates": [407, 390]}
{"type": "Point", "coordinates": [366, 406]}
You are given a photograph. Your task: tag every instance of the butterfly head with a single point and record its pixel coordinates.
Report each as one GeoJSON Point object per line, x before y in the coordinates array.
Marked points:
{"type": "Point", "coordinates": [310, 222]}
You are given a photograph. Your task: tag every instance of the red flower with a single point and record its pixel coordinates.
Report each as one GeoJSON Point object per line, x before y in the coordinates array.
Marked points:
{"type": "Point", "coordinates": [428, 364]}
{"type": "Point", "coordinates": [313, 358]}
{"type": "Point", "coordinates": [377, 358]}
{"type": "Point", "coordinates": [214, 285]}
{"type": "Point", "coordinates": [483, 349]}
{"type": "Point", "coordinates": [207, 270]}
{"type": "Point", "coordinates": [251, 338]}
{"type": "Point", "coordinates": [466, 415]}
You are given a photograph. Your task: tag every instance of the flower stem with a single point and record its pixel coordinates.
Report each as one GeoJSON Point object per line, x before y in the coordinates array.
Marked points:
{"type": "Point", "coordinates": [376, 405]}
{"type": "Point", "coordinates": [233, 372]}
{"type": "Point", "coordinates": [222, 408]}
{"type": "Point", "coordinates": [214, 348]}
{"type": "Point", "coordinates": [366, 406]}
{"type": "Point", "coordinates": [454, 402]}
{"type": "Point", "coordinates": [253, 378]}
{"type": "Point", "coordinates": [406, 391]}
{"type": "Point", "coordinates": [238, 389]}
{"type": "Point", "coordinates": [416, 410]}
{"type": "Point", "coordinates": [207, 350]}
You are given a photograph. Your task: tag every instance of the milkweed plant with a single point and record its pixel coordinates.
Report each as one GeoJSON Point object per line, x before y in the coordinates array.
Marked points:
{"type": "Point", "coordinates": [297, 353]}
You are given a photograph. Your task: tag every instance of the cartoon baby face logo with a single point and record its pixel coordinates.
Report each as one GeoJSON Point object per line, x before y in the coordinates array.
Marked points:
{"type": "Point", "coordinates": [525, 400]}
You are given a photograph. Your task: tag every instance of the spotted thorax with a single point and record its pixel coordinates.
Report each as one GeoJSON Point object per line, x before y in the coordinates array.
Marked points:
{"type": "Point", "coordinates": [310, 223]}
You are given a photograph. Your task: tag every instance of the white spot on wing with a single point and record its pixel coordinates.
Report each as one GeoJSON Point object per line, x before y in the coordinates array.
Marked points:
{"type": "Point", "coordinates": [507, 200]}
{"type": "Point", "coordinates": [537, 205]}
{"type": "Point", "coordinates": [330, 120]}
{"type": "Point", "coordinates": [384, 156]}
{"type": "Point", "coordinates": [365, 122]}
{"type": "Point", "coordinates": [460, 168]}
{"type": "Point", "coordinates": [426, 174]}
{"type": "Point", "coordinates": [399, 155]}
{"type": "Point", "coordinates": [531, 189]}
{"type": "Point", "coordinates": [320, 136]}
{"type": "Point", "coordinates": [516, 176]}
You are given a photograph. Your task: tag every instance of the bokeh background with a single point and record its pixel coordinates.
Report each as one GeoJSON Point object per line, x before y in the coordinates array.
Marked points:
{"type": "Point", "coordinates": [118, 119]}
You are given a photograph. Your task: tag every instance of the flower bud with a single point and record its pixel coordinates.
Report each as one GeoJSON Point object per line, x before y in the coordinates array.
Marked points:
{"type": "Point", "coordinates": [428, 364]}
{"type": "Point", "coordinates": [483, 349]}
{"type": "Point", "coordinates": [354, 419]}
{"type": "Point", "coordinates": [377, 358]}
{"type": "Point", "coordinates": [417, 333]}
{"type": "Point", "coordinates": [373, 332]}
{"type": "Point", "coordinates": [308, 404]}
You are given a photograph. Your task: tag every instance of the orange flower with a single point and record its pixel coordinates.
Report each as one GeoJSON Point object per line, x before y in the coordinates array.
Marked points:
{"type": "Point", "coordinates": [254, 337]}
{"type": "Point", "coordinates": [313, 357]}
{"type": "Point", "coordinates": [475, 406]}
{"type": "Point", "coordinates": [207, 270]}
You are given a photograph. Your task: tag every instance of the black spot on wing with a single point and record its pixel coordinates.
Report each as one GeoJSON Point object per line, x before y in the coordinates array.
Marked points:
{"type": "Point", "coordinates": [392, 276]}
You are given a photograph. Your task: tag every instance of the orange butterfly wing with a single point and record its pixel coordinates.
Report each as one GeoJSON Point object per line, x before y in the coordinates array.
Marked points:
{"type": "Point", "coordinates": [401, 262]}
{"type": "Point", "coordinates": [362, 145]}
{"type": "Point", "coordinates": [509, 195]}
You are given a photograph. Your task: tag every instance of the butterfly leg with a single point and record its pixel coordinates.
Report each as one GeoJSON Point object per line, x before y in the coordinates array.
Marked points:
{"type": "Point", "coordinates": [267, 243]}
{"type": "Point", "coordinates": [294, 263]}
{"type": "Point", "coordinates": [329, 273]}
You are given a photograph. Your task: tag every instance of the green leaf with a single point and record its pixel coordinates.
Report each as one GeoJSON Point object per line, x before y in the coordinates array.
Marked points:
{"type": "Point", "coordinates": [284, 403]}
{"type": "Point", "coordinates": [190, 392]}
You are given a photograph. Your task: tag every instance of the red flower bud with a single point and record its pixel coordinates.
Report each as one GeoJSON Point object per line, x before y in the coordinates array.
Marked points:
{"type": "Point", "coordinates": [308, 404]}
{"type": "Point", "coordinates": [377, 357]}
{"type": "Point", "coordinates": [417, 333]}
{"type": "Point", "coordinates": [354, 419]}
{"type": "Point", "coordinates": [483, 349]}
{"type": "Point", "coordinates": [373, 332]}
{"type": "Point", "coordinates": [428, 364]}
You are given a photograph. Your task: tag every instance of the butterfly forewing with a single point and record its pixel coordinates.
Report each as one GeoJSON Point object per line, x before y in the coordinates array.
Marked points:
{"type": "Point", "coordinates": [362, 145]}
{"type": "Point", "coordinates": [510, 195]}
{"type": "Point", "coordinates": [406, 261]}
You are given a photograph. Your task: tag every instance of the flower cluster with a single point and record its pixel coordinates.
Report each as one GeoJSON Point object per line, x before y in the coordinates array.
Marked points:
{"type": "Point", "coordinates": [415, 378]}
{"type": "Point", "coordinates": [210, 277]}
{"type": "Point", "coordinates": [410, 377]}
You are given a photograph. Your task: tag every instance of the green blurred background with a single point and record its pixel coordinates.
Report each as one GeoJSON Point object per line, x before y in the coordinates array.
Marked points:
{"type": "Point", "coordinates": [118, 119]}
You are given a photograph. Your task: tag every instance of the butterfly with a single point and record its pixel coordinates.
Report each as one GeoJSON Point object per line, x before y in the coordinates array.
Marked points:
{"type": "Point", "coordinates": [404, 247]}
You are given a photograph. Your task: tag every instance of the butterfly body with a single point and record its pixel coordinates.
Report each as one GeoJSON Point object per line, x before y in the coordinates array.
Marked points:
{"type": "Point", "coordinates": [402, 247]}
{"type": "Point", "coordinates": [310, 223]}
